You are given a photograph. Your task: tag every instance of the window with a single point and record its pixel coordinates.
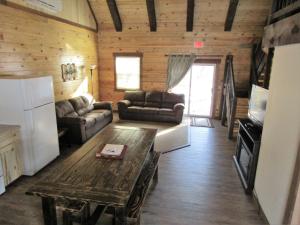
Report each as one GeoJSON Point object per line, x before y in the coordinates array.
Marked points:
{"type": "Point", "coordinates": [127, 71]}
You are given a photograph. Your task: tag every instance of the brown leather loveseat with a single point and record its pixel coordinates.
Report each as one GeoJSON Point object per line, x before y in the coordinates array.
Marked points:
{"type": "Point", "coordinates": [82, 118]}
{"type": "Point", "coordinates": [152, 106]}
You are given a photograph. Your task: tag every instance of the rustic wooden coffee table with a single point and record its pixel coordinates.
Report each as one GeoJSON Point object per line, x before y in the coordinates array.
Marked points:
{"type": "Point", "coordinates": [84, 178]}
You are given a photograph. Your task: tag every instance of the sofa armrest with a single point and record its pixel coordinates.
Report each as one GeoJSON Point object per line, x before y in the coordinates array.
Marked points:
{"type": "Point", "coordinates": [178, 106]}
{"type": "Point", "coordinates": [103, 105]}
{"type": "Point", "coordinates": [71, 120]}
{"type": "Point", "coordinates": [76, 128]}
{"type": "Point", "coordinates": [123, 103]}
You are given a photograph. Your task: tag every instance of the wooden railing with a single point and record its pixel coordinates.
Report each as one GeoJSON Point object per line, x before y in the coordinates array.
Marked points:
{"type": "Point", "coordinates": [261, 63]}
{"type": "Point", "coordinates": [280, 4]}
{"type": "Point", "coordinates": [283, 24]}
{"type": "Point", "coordinates": [282, 9]}
{"type": "Point", "coordinates": [229, 98]}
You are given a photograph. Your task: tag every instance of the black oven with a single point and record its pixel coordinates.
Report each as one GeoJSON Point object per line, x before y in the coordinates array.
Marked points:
{"type": "Point", "coordinates": [245, 159]}
{"type": "Point", "coordinates": [247, 151]}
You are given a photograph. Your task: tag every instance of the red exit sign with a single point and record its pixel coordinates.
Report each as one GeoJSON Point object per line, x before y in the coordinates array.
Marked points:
{"type": "Point", "coordinates": [198, 44]}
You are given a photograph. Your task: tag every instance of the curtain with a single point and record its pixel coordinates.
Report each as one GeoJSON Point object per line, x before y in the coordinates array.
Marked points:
{"type": "Point", "coordinates": [178, 65]}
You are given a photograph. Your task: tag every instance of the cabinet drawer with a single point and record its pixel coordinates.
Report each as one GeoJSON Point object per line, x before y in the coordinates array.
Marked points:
{"type": "Point", "coordinates": [2, 185]}
{"type": "Point", "coordinates": [10, 163]}
{"type": "Point", "coordinates": [8, 138]}
{"type": "Point", "coordinates": [1, 167]}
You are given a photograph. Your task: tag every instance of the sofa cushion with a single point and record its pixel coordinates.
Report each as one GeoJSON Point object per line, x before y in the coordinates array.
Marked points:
{"type": "Point", "coordinates": [63, 108]}
{"type": "Point", "coordinates": [81, 105]}
{"type": "Point", "coordinates": [151, 110]}
{"type": "Point", "coordinates": [103, 112]}
{"type": "Point", "coordinates": [143, 110]}
{"type": "Point", "coordinates": [97, 116]}
{"type": "Point", "coordinates": [89, 121]}
{"type": "Point", "coordinates": [153, 99]}
{"type": "Point", "coordinates": [166, 112]}
{"type": "Point", "coordinates": [170, 99]}
{"type": "Point", "coordinates": [72, 114]}
{"type": "Point", "coordinates": [135, 109]}
{"type": "Point", "coordinates": [136, 98]}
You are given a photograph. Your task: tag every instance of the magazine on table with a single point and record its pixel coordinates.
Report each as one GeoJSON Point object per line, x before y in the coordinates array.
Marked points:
{"type": "Point", "coordinates": [112, 151]}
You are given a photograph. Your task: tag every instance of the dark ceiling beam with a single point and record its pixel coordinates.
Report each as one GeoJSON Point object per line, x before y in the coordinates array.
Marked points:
{"type": "Point", "coordinates": [151, 14]}
{"type": "Point", "coordinates": [231, 14]}
{"type": "Point", "coordinates": [114, 12]}
{"type": "Point", "coordinates": [190, 15]}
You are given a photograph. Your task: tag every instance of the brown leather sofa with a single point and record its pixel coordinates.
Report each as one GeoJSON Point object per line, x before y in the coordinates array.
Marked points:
{"type": "Point", "coordinates": [82, 118]}
{"type": "Point", "coordinates": [152, 106]}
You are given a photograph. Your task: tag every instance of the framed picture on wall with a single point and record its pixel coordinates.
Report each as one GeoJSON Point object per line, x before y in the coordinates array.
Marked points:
{"type": "Point", "coordinates": [69, 72]}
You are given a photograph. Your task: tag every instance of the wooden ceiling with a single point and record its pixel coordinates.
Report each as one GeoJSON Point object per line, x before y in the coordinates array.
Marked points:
{"type": "Point", "coordinates": [166, 14]}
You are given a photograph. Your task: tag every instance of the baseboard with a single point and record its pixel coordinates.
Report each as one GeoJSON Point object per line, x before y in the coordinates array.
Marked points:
{"type": "Point", "coordinates": [260, 209]}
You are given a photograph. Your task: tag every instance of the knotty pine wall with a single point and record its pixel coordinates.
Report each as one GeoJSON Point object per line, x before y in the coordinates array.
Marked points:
{"type": "Point", "coordinates": [171, 37]}
{"type": "Point", "coordinates": [34, 45]}
{"type": "Point", "coordinates": [154, 46]}
{"type": "Point", "coordinates": [76, 11]}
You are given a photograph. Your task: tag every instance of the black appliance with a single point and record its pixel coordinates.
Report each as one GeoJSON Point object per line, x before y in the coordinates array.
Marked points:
{"type": "Point", "coordinates": [249, 137]}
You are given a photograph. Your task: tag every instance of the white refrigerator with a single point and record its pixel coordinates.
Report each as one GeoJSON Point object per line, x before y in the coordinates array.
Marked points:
{"type": "Point", "coordinates": [29, 103]}
{"type": "Point", "coordinates": [2, 185]}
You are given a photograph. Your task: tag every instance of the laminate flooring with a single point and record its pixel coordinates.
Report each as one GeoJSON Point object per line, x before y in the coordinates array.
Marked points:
{"type": "Point", "coordinates": [198, 185]}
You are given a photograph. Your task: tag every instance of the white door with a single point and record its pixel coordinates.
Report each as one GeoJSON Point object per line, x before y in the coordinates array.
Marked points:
{"type": "Point", "coordinates": [44, 136]}
{"type": "Point", "coordinates": [201, 90]}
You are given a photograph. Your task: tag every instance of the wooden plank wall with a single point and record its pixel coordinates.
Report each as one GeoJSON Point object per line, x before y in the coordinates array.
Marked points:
{"type": "Point", "coordinates": [76, 11]}
{"type": "Point", "coordinates": [171, 37]}
{"type": "Point", "coordinates": [34, 45]}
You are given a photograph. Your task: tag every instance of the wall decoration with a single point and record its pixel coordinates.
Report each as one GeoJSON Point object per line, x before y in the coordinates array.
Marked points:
{"type": "Point", "coordinates": [69, 72]}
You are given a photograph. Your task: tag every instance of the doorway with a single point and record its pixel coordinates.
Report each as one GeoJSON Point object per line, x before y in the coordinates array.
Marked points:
{"type": "Point", "coordinates": [198, 88]}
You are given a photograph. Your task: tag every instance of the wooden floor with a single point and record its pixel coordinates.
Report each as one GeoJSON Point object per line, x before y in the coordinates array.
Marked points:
{"type": "Point", "coordinates": [197, 185]}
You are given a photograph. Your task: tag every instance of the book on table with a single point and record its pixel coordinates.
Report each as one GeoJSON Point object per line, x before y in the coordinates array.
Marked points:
{"type": "Point", "coordinates": [111, 151]}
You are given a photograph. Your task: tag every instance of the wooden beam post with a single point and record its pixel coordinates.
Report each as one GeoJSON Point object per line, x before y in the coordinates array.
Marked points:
{"type": "Point", "coordinates": [190, 15]}
{"type": "Point", "coordinates": [269, 68]}
{"type": "Point", "coordinates": [151, 14]}
{"type": "Point", "coordinates": [114, 12]}
{"type": "Point", "coordinates": [49, 211]}
{"type": "Point", "coordinates": [231, 14]}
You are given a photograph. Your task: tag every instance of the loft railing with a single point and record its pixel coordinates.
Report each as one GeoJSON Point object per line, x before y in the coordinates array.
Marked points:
{"type": "Point", "coordinates": [229, 98]}
{"type": "Point", "coordinates": [257, 65]}
{"type": "Point", "coordinates": [280, 4]}
{"type": "Point", "coordinates": [260, 66]}
{"type": "Point", "coordinates": [282, 9]}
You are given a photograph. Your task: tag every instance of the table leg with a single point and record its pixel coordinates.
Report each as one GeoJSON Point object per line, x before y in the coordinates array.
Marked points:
{"type": "Point", "coordinates": [152, 148]}
{"type": "Point", "coordinates": [85, 215]}
{"type": "Point", "coordinates": [49, 211]}
{"type": "Point", "coordinates": [67, 218]}
{"type": "Point", "coordinates": [120, 217]}
{"type": "Point", "coordinates": [155, 177]}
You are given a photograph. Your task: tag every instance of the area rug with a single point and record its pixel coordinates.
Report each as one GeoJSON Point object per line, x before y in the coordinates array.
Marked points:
{"type": "Point", "coordinates": [201, 122]}
{"type": "Point", "coordinates": [169, 136]}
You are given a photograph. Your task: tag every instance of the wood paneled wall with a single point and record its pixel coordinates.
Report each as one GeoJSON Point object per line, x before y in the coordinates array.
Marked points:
{"type": "Point", "coordinates": [76, 11]}
{"type": "Point", "coordinates": [34, 45]}
{"type": "Point", "coordinates": [171, 37]}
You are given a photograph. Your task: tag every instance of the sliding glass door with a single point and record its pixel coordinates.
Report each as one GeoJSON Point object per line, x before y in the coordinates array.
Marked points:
{"type": "Point", "coordinates": [197, 86]}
